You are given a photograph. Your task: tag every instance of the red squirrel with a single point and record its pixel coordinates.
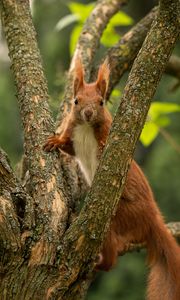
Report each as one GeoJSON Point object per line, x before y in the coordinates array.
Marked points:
{"type": "Point", "coordinates": [84, 133]}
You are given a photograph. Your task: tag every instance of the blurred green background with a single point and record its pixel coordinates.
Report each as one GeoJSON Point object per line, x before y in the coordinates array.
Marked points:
{"type": "Point", "coordinates": [160, 160]}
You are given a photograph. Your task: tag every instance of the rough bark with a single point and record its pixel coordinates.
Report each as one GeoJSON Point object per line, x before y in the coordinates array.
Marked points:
{"type": "Point", "coordinates": [43, 261]}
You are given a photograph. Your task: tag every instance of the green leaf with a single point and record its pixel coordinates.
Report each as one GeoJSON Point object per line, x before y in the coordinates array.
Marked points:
{"type": "Point", "coordinates": [66, 21]}
{"type": "Point", "coordinates": [116, 93]}
{"type": "Point", "coordinates": [121, 19]}
{"type": "Point", "coordinates": [109, 37]}
{"type": "Point", "coordinates": [74, 37]}
{"type": "Point", "coordinates": [149, 133]}
{"type": "Point", "coordinates": [159, 108]}
{"type": "Point", "coordinates": [162, 121]}
{"type": "Point", "coordinates": [115, 99]}
{"type": "Point", "coordinates": [157, 118]}
{"type": "Point", "coordinates": [81, 10]}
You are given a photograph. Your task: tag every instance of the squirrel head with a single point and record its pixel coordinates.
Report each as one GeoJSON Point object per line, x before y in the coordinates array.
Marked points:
{"type": "Point", "coordinates": [89, 98]}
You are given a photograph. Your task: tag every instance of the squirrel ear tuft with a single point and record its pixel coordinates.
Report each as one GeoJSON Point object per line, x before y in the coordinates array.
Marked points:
{"type": "Point", "coordinates": [103, 78]}
{"type": "Point", "coordinates": [78, 75]}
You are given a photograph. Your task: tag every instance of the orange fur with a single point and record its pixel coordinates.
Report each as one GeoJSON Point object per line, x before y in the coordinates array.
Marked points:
{"type": "Point", "coordinates": [78, 75]}
{"type": "Point", "coordinates": [138, 218]}
{"type": "Point", "coordinates": [103, 78]}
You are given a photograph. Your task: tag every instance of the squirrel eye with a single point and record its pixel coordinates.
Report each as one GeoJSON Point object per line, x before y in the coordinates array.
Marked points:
{"type": "Point", "coordinates": [76, 101]}
{"type": "Point", "coordinates": [102, 102]}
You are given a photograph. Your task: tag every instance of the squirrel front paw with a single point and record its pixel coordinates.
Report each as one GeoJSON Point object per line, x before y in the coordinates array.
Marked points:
{"type": "Point", "coordinates": [52, 143]}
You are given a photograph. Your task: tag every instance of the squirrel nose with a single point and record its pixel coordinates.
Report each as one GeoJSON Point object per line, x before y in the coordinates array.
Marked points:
{"type": "Point", "coordinates": [88, 113]}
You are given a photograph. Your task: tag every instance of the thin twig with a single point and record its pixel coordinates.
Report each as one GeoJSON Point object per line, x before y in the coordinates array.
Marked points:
{"type": "Point", "coordinates": [170, 139]}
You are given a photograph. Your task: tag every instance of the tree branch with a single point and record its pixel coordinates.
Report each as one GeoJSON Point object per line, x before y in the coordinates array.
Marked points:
{"type": "Point", "coordinates": [46, 185]}
{"type": "Point", "coordinates": [83, 239]}
{"type": "Point", "coordinates": [124, 52]}
{"type": "Point", "coordinates": [173, 69]}
{"type": "Point", "coordinates": [174, 228]}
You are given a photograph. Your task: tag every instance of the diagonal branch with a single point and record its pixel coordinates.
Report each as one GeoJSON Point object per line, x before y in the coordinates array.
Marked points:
{"type": "Point", "coordinates": [83, 239]}
{"type": "Point", "coordinates": [124, 52]}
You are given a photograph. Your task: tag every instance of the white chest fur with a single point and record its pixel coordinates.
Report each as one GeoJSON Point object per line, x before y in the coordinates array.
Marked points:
{"type": "Point", "coordinates": [86, 148]}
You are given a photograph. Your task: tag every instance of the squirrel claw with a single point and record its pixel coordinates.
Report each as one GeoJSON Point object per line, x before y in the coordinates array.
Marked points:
{"type": "Point", "coordinates": [52, 143]}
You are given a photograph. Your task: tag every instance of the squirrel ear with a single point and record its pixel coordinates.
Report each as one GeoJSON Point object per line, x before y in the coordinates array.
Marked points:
{"type": "Point", "coordinates": [103, 78]}
{"type": "Point", "coordinates": [78, 75]}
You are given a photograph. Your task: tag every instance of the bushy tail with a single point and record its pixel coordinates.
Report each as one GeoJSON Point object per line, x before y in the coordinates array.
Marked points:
{"type": "Point", "coordinates": [164, 258]}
